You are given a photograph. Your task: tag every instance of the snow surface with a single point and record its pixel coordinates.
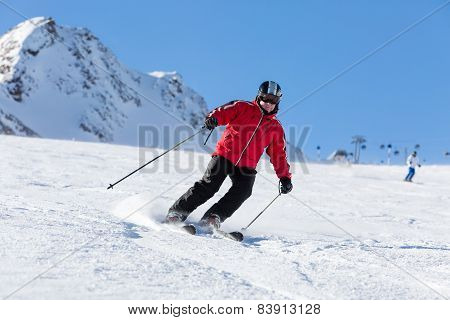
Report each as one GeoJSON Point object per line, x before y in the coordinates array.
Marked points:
{"type": "Point", "coordinates": [368, 236]}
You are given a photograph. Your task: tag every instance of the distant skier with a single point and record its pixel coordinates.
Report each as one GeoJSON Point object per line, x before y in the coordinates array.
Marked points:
{"type": "Point", "coordinates": [412, 162]}
{"type": "Point", "coordinates": [251, 127]}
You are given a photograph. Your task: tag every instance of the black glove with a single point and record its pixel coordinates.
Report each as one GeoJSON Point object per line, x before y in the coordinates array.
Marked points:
{"type": "Point", "coordinates": [419, 165]}
{"type": "Point", "coordinates": [210, 123]}
{"type": "Point", "coordinates": [286, 185]}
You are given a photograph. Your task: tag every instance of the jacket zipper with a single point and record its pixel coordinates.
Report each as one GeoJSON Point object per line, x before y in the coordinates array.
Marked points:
{"type": "Point", "coordinates": [249, 140]}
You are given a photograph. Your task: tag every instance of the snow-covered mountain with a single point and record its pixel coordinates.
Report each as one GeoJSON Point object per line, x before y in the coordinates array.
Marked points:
{"type": "Point", "coordinates": [62, 82]}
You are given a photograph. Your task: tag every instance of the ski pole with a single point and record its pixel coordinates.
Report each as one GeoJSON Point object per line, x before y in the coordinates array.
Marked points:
{"type": "Point", "coordinates": [207, 138]}
{"type": "Point", "coordinates": [279, 194]}
{"type": "Point", "coordinates": [159, 156]}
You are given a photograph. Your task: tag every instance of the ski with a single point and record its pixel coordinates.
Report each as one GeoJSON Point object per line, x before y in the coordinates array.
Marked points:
{"type": "Point", "coordinates": [235, 235]}
{"type": "Point", "coordinates": [191, 229]}
{"type": "Point", "coordinates": [188, 228]}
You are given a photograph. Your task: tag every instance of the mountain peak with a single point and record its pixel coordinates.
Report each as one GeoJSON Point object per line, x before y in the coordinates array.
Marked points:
{"type": "Point", "coordinates": [36, 22]}
{"type": "Point", "coordinates": [24, 29]}
{"type": "Point", "coordinates": [25, 39]}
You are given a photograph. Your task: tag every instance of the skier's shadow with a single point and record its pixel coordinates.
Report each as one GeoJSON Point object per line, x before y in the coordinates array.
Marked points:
{"type": "Point", "coordinates": [130, 230]}
{"type": "Point", "coordinates": [250, 241]}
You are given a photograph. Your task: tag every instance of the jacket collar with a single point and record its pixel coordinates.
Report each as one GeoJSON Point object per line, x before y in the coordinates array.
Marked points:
{"type": "Point", "coordinates": [265, 114]}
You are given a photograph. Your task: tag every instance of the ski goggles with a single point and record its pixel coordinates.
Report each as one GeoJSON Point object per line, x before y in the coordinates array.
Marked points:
{"type": "Point", "coordinates": [269, 98]}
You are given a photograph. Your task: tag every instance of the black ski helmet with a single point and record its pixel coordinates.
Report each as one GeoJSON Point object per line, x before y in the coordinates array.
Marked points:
{"type": "Point", "coordinates": [269, 91]}
{"type": "Point", "coordinates": [270, 87]}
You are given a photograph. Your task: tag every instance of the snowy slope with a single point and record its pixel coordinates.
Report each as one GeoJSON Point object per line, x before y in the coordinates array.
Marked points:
{"type": "Point", "coordinates": [66, 76]}
{"type": "Point", "coordinates": [55, 209]}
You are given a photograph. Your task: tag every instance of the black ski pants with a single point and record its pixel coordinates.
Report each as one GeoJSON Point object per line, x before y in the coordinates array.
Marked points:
{"type": "Point", "coordinates": [218, 169]}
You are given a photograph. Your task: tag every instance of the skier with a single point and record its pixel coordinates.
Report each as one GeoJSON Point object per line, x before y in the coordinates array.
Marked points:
{"type": "Point", "coordinates": [251, 127]}
{"type": "Point", "coordinates": [412, 162]}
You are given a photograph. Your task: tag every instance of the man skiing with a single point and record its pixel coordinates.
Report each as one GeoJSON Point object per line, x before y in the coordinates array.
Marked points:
{"type": "Point", "coordinates": [412, 162]}
{"type": "Point", "coordinates": [251, 128]}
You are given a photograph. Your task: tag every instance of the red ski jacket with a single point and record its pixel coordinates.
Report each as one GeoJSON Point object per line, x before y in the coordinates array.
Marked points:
{"type": "Point", "coordinates": [248, 132]}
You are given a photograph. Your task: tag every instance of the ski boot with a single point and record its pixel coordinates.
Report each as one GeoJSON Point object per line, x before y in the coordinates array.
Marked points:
{"type": "Point", "coordinates": [211, 222]}
{"type": "Point", "coordinates": [176, 219]}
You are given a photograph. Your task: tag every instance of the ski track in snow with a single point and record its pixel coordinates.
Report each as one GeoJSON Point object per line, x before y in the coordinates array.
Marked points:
{"type": "Point", "coordinates": [56, 213]}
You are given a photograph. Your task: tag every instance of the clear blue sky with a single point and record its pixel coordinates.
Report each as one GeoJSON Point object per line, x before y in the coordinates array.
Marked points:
{"type": "Point", "coordinates": [224, 49]}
